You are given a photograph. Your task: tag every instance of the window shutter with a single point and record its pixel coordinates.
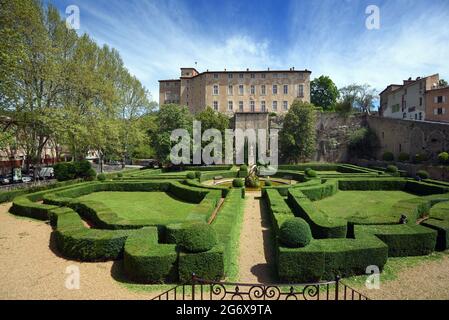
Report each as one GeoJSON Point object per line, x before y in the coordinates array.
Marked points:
{"type": "Point", "coordinates": [435, 99]}
{"type": "Point", "coordinates": [435, 111]}
{"type": "Point", "coordinates": [444, 110]}
{"type": "Point", "coordinates": [444, 99]}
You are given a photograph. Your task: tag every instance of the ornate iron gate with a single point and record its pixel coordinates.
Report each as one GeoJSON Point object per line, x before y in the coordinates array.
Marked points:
{"type": "Point", "coordinates": [201, 289]}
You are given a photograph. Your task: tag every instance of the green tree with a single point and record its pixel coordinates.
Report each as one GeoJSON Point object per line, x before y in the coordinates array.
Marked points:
{"type": "Point", "coordinates": [298, 135]}
{"type": "Point", "coordinates": [442, 83]}
{"type": "Point", "coordinates": [360, 97]}
{"type": "Point", "coordinates": [323, 92]}
{"type": "Point", "coordinates": [170, 117]}
{"type": "Point", "coordinates": [363, 143]}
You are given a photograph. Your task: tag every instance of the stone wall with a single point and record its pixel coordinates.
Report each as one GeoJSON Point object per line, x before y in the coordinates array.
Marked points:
{"type": "Point", "coordinates": [411, 137]}
{"type": "Point", "coordinates": [333, 132]}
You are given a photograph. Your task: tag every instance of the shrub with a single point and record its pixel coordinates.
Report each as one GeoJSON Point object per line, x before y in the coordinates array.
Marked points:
{"type": "Point", "coordinates": [198, 237]}
{"type": "Point", "coordinates": [388, 156]}
{"type": "Point", "coordinates": [403, 157]}
{"type": "Point", "coordinates": [191, 175]}
{"type": "Point", "coordinates": [64, 171]}
{"type": "Point", "coordinates": [421, 157]}
{"type": "Point", "coordinates": [295, 233]}
{"type": "Point", "coordinates": [392, 169]}
{"type": "Point", "coordinates": [82, 168]}
{"type": "Point", "coordinates": [311, 173]}
{"type": "Point", "coordinates": [423, 174]}
{"type": "Point", "coordinates": [91, 174]}
{"type": "Point", "coordinates": [237, 183]}
{"type": "Point", "coordinates": [243, 172]}
{"type": "Point", "coordinates": [243, 167]}
{"type": "Point", "coordinates": [120, 175]}
{"type": "Point", "coordinates": [268, 183]}
{"type": "Point", "coordinates": [252, 182]}
{"type": "Point", "coordinates": [197, 174]}
{"type": "Point", "coordinates": [443, 157]}
{"type": "Point", "coordinates": [101, 177]}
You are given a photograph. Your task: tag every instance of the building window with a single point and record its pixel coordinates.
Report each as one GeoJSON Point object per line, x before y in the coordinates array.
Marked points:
{"type": "Point", "coordinates": [263, 75]}
{"type": "Point", "coordinates": [275, 106]}
{"type": "Point", "coordinates": [253, 75]}
{"type": "Point", "coordinates": [275, 89]}
{"type": "Point", "coordinates": [230, 89]}
{"type": "Point", "coordinates": [241, 89]}
{"type": "Point", "coordinates": [439, 111]}
{"type": "Point", "coordinates": [216, 89]}
{"type": "Point", "coordinates": [285, 105]}
{"type": "Point", "coordinates": [253, 89]}
{"type": "Point", "coordinates": [285, 88]}
{"type": "Point", "coordinates": [420, 101]}
{"type": "Point", "coordinates": [416, 116]}
{"type": "Point", "coordinates": [263, 89]}
{"type": "Point", "coordinates": [216, 105]}
{"type": "Point", "coordinates": [215, 75]}
{"type": "Point", "coordinates": [241, 75]}
{"type": "Point", "coordinates": [252, 106]}
{"type": "Point", "coordinates": [440, 99]}
{"type": "Point", "coordinates": [263, 107]}
{"type": "Point", "coordinates": [241, 106]}
{"type": "Point", "coordinates": [404, 115]}
{"type": "Point", "coordinates": [275, 75]}
{"type": "Point", "coordinates": [420, 116]}
{"type": "Point", "coordinates": [230, 75]}
{"type": "Point", "coordinates": [230, 105]}
{"type": "Point", "coordinates": [301, 91]}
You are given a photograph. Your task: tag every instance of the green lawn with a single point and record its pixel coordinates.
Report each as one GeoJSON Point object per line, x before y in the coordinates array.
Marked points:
{"type": "Point", "coordinates": [348, 204]}
{"type": "Point", "coordinates": [157, 207]}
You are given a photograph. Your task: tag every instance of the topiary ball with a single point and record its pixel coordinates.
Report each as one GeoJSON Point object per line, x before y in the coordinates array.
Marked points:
{"type": "Point", "coordinates": [423, 174]}
{"type": "Point", "coordinates": [268, 183]}
{"type": "Point", "coordinates": [392, 169]}
{"type": "Point", "coordinates": [443, 157]}
{"type": "Point", "coordinates": [311, 173]}
{"type": "Point", "coordinates": [198, 237]}
{"type": "Point", "coordinates": [237, 183]}
{"type": "Point", "coordinates": [191, 175]}
{"type": "Point", "coordinates": [295, 233]}
{"type": "Point", "coordinates": [197, 174]}
{"type": "Point", "coordinates": [388, 156]}
{"type": "Point", "coordinates": [120, 175]}
{"type": "Point", "coordinates": [101, 177]}
{"type": "Point", "coordinates": [243, 167]}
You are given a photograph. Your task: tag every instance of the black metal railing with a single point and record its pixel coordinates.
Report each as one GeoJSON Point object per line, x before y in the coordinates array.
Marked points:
{"type": "Point", "coordinates": [201, 289]}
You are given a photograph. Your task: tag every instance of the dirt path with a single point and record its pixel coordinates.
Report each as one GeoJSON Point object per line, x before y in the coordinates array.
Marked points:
{"type": "Point", "coordinates": [421, 282]}
{"type": "Point", "coordinates": [256, 255]}
{"type": "Point", "coordinates": [29, 269]}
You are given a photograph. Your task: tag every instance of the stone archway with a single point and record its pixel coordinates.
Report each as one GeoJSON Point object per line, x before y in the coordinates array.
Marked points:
{"type": "Point", "coordinates": [417, 141]}
{"type": "Point", "coordinates": [436, 143]}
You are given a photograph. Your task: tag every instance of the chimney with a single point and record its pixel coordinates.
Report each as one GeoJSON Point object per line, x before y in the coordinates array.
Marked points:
{"type": "Point", "coordinates": [247, 69]}
{"type": "Point", "coordinates": [268, 69]}
{"type": "Point", "coordinates": [293, 68]}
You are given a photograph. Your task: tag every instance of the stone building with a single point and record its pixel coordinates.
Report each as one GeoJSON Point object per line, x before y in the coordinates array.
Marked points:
{"type": "Point", "coordinates": [408, 100]}
{"type": "Point", "coordinates": [437, 104]}
{"type": "Point", "coordinates": [237, 91]}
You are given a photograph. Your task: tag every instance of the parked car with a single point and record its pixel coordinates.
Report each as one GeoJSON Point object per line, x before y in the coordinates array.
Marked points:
{"type": "Point", "coordinates": [26, 179]}
{"type": "Point", "coordinates": [4, 180]}
{"type": "Point", "coordinates": [47, 173]}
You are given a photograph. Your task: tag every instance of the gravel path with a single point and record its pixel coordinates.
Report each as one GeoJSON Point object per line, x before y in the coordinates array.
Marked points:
{"type": "Point", "coordinates": [256, 254]}
{"type": "Point", "coordinates": [424, 281]}
{"type": "Point", "coordinates": [29, 269]}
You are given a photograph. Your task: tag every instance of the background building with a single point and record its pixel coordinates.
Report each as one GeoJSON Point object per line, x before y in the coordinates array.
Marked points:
{"type": "Point", "coordinates": [437, 104]}
{"type": "Point", "coordinates": [237, 91]}
{"type": "Point", "coordinates": [407, 101]}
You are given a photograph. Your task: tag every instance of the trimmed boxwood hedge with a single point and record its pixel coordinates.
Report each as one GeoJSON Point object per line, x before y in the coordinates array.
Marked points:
{"type": "Point", "coordinates": [322, 226]}
{"type": "Point", "coordinates": [402, 239]}
{"type": "Point", "coordinates": [145, 260]}
{"type": "Point", "coordinates": [326, 258]}
{"type": "Point", "coordinates": [75, 241]}
{"type": "Point", "coordinates": [198, 237]}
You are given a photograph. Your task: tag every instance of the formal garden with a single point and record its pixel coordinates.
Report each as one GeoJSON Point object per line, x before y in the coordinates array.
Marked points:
{"type": "Point", "coordinates": [328, 220]}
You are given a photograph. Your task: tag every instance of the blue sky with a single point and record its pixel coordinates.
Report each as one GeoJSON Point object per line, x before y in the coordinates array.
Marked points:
{"type": "Point", "coordinates": [156, 38]}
